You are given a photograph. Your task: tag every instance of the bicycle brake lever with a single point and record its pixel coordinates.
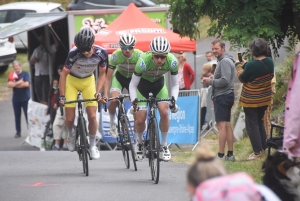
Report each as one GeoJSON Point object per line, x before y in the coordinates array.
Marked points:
{"type": "Point", "coordinates": [105, 108]}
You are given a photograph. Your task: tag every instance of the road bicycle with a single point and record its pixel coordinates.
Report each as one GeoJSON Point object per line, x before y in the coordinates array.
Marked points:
{"type": "Point", "coordinates": [125, 130]}
{"type": "Point", "coordinates": [151, 143]}
{"type": "Point", "coordinates": [82, 143]}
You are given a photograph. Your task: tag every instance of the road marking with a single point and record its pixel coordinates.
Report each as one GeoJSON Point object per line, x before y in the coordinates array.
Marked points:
{"type": "Point", "coordinates": [39, 184]}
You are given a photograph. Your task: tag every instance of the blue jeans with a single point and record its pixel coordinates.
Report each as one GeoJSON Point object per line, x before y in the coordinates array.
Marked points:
{"type": "Point", "coordinates": [17, 110]}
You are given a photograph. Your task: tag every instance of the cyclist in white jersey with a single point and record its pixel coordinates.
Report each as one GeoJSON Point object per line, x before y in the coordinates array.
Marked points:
{"type": "Point", "coordinates": [149, 77]}
{"type": "Point", "coordinates": [78, 75]}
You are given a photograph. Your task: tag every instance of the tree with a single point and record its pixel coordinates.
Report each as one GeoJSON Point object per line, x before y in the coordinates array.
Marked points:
{"type": "Point", "coordinates": [239, 21]}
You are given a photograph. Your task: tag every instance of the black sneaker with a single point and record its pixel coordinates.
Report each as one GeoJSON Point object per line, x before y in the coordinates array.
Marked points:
{"type": "Point", "coordinates": [17, 135]}
{"type": "Point", "coordinates": [54, 148]}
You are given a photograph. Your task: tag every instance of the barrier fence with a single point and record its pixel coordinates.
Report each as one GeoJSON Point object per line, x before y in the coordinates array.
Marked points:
{"type": "Point", "coordinates": [184, 125]}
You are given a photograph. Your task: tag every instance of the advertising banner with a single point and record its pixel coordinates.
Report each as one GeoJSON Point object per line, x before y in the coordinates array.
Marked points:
{"type": "Point", "coordinates": [37, 120]}
{"type": "Point", "coordinates": [184, 124]}
{"type": "Point", "coordinates": [98, 22]}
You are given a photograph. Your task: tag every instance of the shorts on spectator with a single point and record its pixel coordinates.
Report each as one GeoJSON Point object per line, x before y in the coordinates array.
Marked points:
{"type": "Point", "coordinates": [60, 130]}
{"type": "Point", "coordinates": [222, 107]}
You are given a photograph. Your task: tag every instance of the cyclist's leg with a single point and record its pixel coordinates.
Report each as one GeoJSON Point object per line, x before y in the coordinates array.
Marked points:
{"type": "Point", "coordinates": [71, 94]}
{"type": "Point", "coordinates": [88, 89]}
{"type": "Point", "coordinates": [164, 124]}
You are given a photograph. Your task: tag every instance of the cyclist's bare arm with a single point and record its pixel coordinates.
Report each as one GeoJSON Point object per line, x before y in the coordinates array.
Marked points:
{"type": "Point", "coordinates": [101, 79]}
{"type": "Point", "coordinates": [110, 72]}
{"type": "Point", "coordinates": [62, 82]}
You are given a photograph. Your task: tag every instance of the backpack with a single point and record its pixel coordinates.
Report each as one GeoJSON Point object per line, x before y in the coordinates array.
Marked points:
{"type": "Point", "coordinates": [233, 187]}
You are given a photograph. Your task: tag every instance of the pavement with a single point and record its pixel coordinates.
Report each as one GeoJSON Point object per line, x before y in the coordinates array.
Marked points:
{"type": "Point", "coordinates": [28, 174]}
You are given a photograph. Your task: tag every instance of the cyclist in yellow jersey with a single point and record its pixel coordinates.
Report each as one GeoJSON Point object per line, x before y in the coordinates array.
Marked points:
{"type": "Point", "coordinates": [78, 75]}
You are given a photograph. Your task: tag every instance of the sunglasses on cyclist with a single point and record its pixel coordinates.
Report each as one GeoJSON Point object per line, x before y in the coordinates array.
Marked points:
{"type": "Point", "coordinates": [127, 47]}
{"type": "Point", "coordinates": [87, 49]}
{"type": "Point", "coordinates": [159, 56]}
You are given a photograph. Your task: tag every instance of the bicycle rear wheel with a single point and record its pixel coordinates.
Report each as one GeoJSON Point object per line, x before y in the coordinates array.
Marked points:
{"type": "Point", "coordinates": [127, 130]}
{"type": "Point", "coordinates": [83, 146]}
{"type": "Point", "coordinates": [124, 148]}
{"type": "Point", "coordinates": [154, 148]}
{"type": "Point", "coordinates": [48, 140]}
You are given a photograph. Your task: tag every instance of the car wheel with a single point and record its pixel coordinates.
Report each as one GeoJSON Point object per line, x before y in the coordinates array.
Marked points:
{"type": "Point", "coordinates": [3, 69]}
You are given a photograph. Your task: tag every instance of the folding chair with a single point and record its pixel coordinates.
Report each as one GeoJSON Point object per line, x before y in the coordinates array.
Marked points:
{"type": "Point", "coordinates": [277, 141]}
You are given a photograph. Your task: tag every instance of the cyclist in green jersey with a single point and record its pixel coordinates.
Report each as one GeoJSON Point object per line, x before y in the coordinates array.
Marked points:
{"type": "Point", "coordinates": [149, 77]}
{"type": "Point", "coordinates": [124, 60]}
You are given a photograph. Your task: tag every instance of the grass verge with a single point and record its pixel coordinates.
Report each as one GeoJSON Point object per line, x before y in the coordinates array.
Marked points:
{"type": "Point", "coordinates": [242, 150]}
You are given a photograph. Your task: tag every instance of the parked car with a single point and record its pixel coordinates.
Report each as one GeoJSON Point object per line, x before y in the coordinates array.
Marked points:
{"type": "Point", "coordinates": [8, 53]}
{"type": "Point", "coordinates": [12, 12]}
{"type": "Point", "coordinates": [106, 4]}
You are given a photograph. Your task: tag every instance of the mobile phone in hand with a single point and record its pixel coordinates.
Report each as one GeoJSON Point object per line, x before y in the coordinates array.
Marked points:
{"type": "Point", "coordinates": [239, 54]}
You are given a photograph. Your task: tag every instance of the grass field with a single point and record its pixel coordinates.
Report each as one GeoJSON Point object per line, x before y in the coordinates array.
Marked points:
{"type": "Point", "coordinates": [242, 149]}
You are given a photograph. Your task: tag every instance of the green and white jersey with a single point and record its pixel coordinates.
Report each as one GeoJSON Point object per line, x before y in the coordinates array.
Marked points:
{"type": "Point", "coordinates": [146, 67]}
{"type": "Point", "coordinates": [124, 66]}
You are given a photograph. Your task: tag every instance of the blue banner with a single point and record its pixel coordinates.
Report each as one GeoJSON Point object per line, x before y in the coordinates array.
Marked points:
{"type": "Point", "coordinates": [184, 124]}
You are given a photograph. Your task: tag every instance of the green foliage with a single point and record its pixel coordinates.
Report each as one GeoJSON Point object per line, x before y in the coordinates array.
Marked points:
{"type": "Point", "coordinates": [239, 21]}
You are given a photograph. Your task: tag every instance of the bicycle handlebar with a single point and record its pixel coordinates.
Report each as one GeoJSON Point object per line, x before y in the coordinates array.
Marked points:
{"type": "Point", "coordinates": [77, 101]}
{"type": "Point", "coordinates": [152, 99]}
{"type": "Point", "coordinates": [121, 96]}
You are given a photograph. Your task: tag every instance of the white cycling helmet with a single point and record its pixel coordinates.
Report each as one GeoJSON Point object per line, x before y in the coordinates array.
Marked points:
{"type": "Point", "coordinates": [160, 45]}
{"type": "Point", "coordinates": [127, 40]}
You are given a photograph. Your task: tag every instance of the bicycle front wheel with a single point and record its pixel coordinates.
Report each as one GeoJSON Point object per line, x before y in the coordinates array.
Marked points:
{"type": "Point", "coordinates": [83, 146]}
{"type": "Point", "coordinates": [154, 148]}
{"type": "Point", "coordinates": [127, 130]}
{"type": "Point", "coordinates": [124, 148]}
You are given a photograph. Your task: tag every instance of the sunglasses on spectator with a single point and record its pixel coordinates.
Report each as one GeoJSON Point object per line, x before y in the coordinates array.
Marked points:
{"type": "Point", "coordinates": [127, 47]}
{"type": "Point", "coordinates": [85, 49]}
{"type": "Point", "coordinates": [159, 56]}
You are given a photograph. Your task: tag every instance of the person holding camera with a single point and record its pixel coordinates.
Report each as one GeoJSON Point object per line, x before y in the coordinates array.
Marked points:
{"type": "Point", "coordinates": [222, 83]}
{"type": "Point", "coordinates": [256, 77]}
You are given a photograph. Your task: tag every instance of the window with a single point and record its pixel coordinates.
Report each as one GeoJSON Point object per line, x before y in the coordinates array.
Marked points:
{"type": "Point", "coordinates": [14, 15]}
{"type": "Point", "coordinates": [105, 2]}
{"type": "Point", "coordinates": [124, 2]}
{"type": "Point", "coordinates": [3, 16]}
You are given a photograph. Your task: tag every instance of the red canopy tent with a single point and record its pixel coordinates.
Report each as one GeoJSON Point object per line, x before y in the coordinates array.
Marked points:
{"type": "Point", "coordinates": [134, 21]}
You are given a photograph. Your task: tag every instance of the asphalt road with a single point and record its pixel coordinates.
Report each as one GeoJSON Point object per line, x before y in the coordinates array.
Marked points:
{"type": "Point", "coordinates": [28, 174]}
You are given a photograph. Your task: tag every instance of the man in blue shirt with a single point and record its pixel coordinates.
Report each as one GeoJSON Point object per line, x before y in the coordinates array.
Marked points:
{"type": "Point", "coordinates": [19, 81]}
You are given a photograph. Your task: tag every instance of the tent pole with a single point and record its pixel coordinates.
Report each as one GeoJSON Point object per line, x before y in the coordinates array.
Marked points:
{"type": "Point", "coordinates": [195, 69]}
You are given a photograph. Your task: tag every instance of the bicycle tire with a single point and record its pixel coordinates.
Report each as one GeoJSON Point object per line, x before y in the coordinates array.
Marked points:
{"type": "Point", "coordinates": [123, 147]}
{"type": "Point", "coordinates": [47, 145]}
{"type": "Point", "coordinates": [83, 146]}
{"type": "Point", "coordinates": [129, 145]}
{"type": "Point", "coordinates": [154, 147]}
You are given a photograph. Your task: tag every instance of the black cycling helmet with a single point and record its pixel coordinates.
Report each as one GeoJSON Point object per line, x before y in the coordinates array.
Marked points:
{"type": "Point", "coordinates": [84, 39]}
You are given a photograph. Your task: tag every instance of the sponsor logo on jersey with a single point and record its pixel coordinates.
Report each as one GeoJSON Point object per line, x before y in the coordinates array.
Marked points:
{"type": "Point", "coordinates": [72, 59]}
{"type": "Point", "coordinates": [142, 65]}
{"type": "Point", "coordinates": [173, 64]}
{"type": "Point", "coordinates": [114, 57]}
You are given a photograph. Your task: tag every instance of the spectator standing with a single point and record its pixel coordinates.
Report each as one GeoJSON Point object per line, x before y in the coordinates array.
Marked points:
{"type": "Point", "coordinates": [39, 59]}
{"type": "Point", "coordinates": [19, 81]}
{"type": "Point", "coordinates": [186, 74]}
{"type": "Point", "coordinates": [223, 96]}
{"type": "Point", "coordinates": [291, 139]}
{"type": "Point", "coordinates": [256, 77]}
{"type": "Point", "coordinates": [209, 56]}
{"type": "Point", "coordinates": [52, 100]}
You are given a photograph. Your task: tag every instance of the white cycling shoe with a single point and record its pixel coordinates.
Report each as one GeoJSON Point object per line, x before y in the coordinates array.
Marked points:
{"type": "Point", "coordinates": [139, 152]}
{"type": "Point", "coordinates": [95, 154]}
{"type": "Point", "coordinates": [71, 142]}
{"type": "Point", "coordinates": [165, 154]}
{"type": "Point", "coordinates": [113, 130]}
